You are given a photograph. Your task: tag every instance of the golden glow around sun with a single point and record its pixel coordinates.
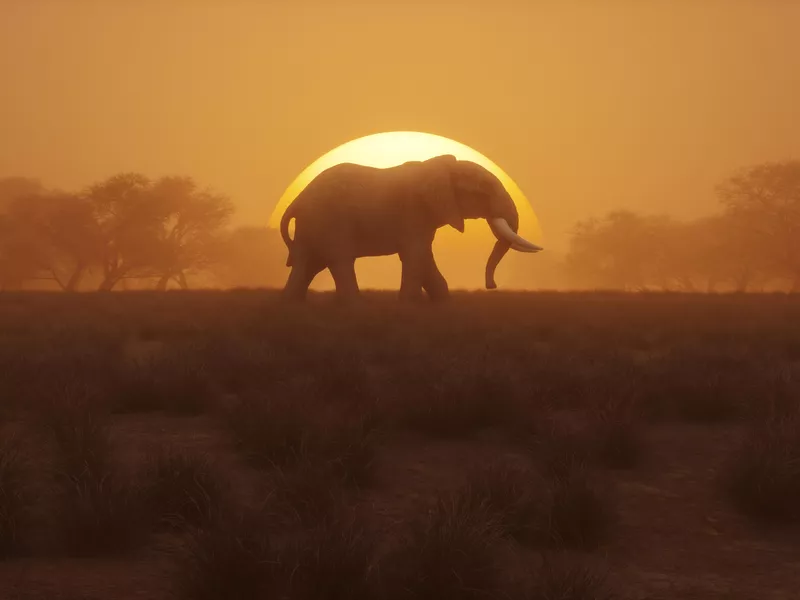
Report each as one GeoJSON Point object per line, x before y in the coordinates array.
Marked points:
{"type": "Point", "coordinates": [390, 149]}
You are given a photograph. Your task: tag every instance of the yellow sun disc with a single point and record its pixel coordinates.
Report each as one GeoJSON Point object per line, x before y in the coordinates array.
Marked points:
{"type": "Point", "coordinates": [392, 148]}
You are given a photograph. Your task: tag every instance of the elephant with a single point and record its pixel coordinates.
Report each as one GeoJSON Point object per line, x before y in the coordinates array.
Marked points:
{"type": "Point", "coordinates": [350, 211]}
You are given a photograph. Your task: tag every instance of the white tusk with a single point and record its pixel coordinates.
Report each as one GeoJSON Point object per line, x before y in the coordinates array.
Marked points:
{"type": "Point", "coordinates": [502, 230]}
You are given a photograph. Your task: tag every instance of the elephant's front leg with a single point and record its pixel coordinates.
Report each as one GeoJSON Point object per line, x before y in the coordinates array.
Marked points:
{"type": "Point", "coordinates": [415, 266]}
{"type": "Point", "coordinates": [434, 282]}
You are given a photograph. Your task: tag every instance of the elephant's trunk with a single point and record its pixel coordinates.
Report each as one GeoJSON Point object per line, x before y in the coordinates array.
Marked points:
{"type": "Point", "coordinates": [507, 238]}
{"type": "Point", "coordinates": [498, 252]}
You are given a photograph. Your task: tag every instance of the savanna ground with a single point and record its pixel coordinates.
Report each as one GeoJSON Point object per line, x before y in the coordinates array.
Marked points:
{"type": "Point", "coordinates": [530, 446]}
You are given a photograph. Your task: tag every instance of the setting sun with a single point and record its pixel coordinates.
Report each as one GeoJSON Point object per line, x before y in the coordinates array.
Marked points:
{"type": "Point", "coordinates": [389, 149]}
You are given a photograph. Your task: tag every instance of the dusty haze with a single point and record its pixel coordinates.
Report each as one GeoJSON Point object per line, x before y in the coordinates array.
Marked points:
{"type": "Point", "coordinates": [589, 106]}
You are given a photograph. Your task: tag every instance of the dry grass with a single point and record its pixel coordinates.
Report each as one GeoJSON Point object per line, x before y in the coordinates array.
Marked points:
{"type": "Point", "coordinates": [336, 561]}
{"type": "Point", "coordinates": [78, 426]}
{"type": "Point", "coordinates": [308, 493]}
{"type": "Point", "coordinates": [15, 498]}
{"type": "Point", "coordinates": [762, 477]}
{"type": "Point", "coordinates": [183, 489]}
{"type": "Point", "coordinates": [174, 382]}
{"type": "Point", "coordinates": [516, 496]}
{"type": "Point", "coordinates": [580, 515]}
{"type": "Point", "coordinates": [99, 514]}
{"type": "Point", "coordinates": [457, 398]}
{"type": "Point", "coordinates": [233, 558]}
{"type": "Point", "coordinates": [562, 578]}
{"type": "Point", "coordinates": [382, 407]}
{"type": "Point", "coordinates": [451, 554]}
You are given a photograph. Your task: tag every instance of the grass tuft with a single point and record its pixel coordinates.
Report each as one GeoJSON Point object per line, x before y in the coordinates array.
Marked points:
{"type": "Point", "coordinates": [458, 399]}
{"type": "Point", "coordinates": [616, 437]}
{"type": "Point", "coordinates": [81, 435]}
{"type": "Point", "coordinates": [98, 515]}
{"type": "Point", "coordinates": [308, 493]}
{"type": "Point", "coordinates": [450, 555]}
{"type": "Point", "coordinates": [335, 562]}
{"type": "Point", "coordinates": [270, 431]}
{"type": "Point", "coordinates": [183, 489]}
{"type": "Point", "coordinates": [234, 558]}
{"type": "Point", "coordinates": [515, 496]}
{"type": "Point", "coordinates": [172, 382]}
{"type": "Point", "coordinates": [563, 579]}
{"type": "Point", "coordinates": [762, 477]}
{"type": "Point", "coordinates": [580, 516]}
{"type": "Point", "coordinates": [14, 499]}
{"type": "Point", "coordinates": [559, 451]}
{"type": "Point", "coordinates": [285, 431]}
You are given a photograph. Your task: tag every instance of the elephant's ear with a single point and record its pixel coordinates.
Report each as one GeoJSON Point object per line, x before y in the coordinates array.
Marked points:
{"type": "Point", "coordinates": [437, 191]}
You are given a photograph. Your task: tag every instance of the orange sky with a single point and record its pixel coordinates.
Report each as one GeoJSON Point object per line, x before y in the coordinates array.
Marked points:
{"type": "Point", "coordinates": [588, 105]}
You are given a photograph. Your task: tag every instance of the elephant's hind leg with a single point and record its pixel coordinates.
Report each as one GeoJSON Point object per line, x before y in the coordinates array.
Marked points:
{"type": "Point", "coordinates": [344, 276]}
{"type": "Point", "coordinates": [302, 274]}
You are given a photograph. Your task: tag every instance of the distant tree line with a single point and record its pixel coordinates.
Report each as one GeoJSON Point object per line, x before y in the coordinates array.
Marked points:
{"type": "Point", "coordinates": [126, 231]}
{"type": "Point", "coordinates": [130, 231]}
{"type": "Point", "coordinates": [752, 243]}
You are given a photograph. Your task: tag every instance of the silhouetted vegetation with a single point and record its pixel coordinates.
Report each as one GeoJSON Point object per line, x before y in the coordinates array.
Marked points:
{"type": "Point", "coordinates": [752, 244]}
{"type": "Point", "coordinates": [132, 232]}
{"type": "Point", "coordinates": [124, 227]}
{"type": "Point", "coordinates": [385, 451]}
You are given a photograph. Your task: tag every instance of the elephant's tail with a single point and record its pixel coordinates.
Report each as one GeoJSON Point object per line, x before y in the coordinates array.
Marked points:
{"type": "Point", "coordinates": [288, 215]}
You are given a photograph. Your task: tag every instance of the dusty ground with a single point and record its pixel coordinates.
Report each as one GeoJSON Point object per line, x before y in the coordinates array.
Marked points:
{"type": "Point", "coordinates": [676, 535]}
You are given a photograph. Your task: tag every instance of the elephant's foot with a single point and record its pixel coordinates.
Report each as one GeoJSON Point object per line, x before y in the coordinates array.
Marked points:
{"type": "Point", "coordinates": [438, 295]}
{"type": "Point", "coordinates": [436, 286]}
{"type": "Point", "coordinates": [411, 296]}
{"type": "Point", "coordinates": [348, 297]}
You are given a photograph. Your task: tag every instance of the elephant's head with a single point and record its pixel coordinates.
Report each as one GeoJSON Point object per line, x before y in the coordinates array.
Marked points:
{"type": "Point", "coordinates": [460, 189]}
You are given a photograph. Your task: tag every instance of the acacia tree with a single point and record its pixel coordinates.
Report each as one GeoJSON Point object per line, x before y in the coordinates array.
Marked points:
{"type": "Point", "coordinates": [129, 221]}
{"type": "Point", "coordinates": [763, 204]}
{"type": "Point", "coordinates": [622, 250]}
{"type": "Point", "coordinates": [191, 229]}
{"type": "Point", "coordinates": [61, 233]}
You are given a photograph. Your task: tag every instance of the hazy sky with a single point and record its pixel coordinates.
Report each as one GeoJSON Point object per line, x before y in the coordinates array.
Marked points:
{"type": "Point", "coordinates": [588, 105]}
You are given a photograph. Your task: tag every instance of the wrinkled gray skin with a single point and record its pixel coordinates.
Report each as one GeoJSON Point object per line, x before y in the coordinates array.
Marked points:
{"type": "Point", "coordinates": [350, 211]}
